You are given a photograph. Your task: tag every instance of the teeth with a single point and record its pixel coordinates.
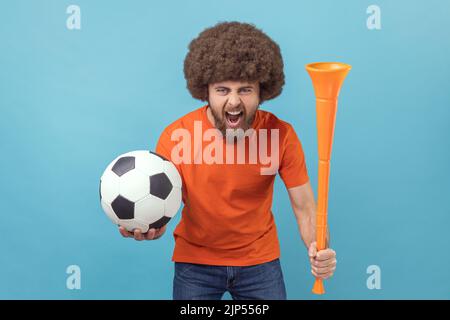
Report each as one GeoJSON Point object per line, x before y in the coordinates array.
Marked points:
{"type": "Point", "coordinates": [235, 113]}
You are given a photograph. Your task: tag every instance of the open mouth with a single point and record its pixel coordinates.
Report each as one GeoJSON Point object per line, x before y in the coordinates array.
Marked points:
{"type": "Point", "coordinates": [234, 118]}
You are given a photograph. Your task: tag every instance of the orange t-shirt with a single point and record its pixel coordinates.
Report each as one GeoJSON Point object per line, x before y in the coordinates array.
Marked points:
{"type": "Point", "coordinates": [227, 218]}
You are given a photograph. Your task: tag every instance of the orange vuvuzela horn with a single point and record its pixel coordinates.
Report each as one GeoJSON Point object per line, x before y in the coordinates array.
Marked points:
{"type": "Point", "coordinates": [327, 79]}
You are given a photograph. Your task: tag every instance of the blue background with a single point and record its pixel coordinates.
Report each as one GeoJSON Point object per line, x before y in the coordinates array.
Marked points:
{"type": "Point", "coordinates": [72, 100]}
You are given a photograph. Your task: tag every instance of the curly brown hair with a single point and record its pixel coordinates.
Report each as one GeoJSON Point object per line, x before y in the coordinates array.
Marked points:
{"type": "Point", "coordinates": [234, 51]}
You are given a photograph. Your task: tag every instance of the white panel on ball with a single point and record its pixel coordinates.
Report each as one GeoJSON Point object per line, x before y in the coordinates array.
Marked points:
{"type": "Point", "coordinates": [149, 209]}
{"type": "Point", "coordinates": [109, 186]}
{"type": "Point", "coordinates": [109, 212]}
{"type": "Point", "coordinates": [134, 185]}
{"type": "Point", "coordinates": [172, 173]}
{"type": "Point", "coordinates": [149, 164]}
{"type": "Point", "coordinates": [173, 202]}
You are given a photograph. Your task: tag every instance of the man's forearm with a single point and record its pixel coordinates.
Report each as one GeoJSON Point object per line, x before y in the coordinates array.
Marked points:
{"type": "Point", "coordinates": [304, 207]}
{"type": "Point", "coordinates": [306, 221]}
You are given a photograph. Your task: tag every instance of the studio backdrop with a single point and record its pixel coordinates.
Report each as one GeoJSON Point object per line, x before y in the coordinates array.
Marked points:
{"type": "Point", "coordinates": [82, 82]}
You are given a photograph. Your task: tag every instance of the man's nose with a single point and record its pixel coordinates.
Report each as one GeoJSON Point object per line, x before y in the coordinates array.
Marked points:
{"type": "Point", "coordinates": [234, 100]}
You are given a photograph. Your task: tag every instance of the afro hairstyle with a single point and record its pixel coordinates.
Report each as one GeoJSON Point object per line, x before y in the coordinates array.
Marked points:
{"type": "Point", "coordinates": [234, 51]}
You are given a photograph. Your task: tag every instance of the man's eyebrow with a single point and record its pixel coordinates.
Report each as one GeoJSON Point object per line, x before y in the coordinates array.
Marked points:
{"type": "Point", "coordinates": [243, 87]}
{"type": "Point", "coordinates": [246, 87]}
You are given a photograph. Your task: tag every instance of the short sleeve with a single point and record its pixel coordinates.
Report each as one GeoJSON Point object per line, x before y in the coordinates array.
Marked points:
{"type": "Point", "coordinates": [164, 148]}
{"type": "Point", "coordinates": [164, 145]}
{"type": "Point", "coordinates": [292, 168]}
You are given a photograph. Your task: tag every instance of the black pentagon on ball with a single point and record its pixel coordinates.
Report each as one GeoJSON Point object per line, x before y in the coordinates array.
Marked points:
{"type": "Point", "coordinates": [160, 185]}
{"type": "Point", "coordinates": [160, 223]}
{"type": "Point", "coordinates": [158, 155]}
{"type": "Point", "coordinates": [123, 165]}
{"type": "Point", "coordinates": [123, 208]}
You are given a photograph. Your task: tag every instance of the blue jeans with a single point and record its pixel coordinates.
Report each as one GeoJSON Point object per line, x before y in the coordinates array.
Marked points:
{"type": "Point", "coordinates": [206, 282]}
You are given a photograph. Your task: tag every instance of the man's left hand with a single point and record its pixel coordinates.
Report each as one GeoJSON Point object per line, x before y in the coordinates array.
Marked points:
{"type": "Point", "coordinates": [323, 262]}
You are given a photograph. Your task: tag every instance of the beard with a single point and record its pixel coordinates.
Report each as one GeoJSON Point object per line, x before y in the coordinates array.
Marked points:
{"type": "Point", "coordinates": [220, 121]}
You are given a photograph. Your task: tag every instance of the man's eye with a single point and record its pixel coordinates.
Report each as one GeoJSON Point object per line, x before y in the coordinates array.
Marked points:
{"type": "Point", "coordinates": [247, 90]}
{"type": "Point", "coordinates": [221, 90]}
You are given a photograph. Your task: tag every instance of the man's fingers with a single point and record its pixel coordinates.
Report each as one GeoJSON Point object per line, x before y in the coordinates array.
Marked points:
{"type": "Point", "coordinates": [326, 254]}
{"type": "Point", "coordinates": [323, 263]}
{"type": "Point", "coordinates": [315, 274]}
{"type": "Point", "coordinates": [150, 234]}
{"type": "Point", "coordinates": [158, 233]}
{"type": "Point", "coordinates": [324, 270]}
{"type": "Point", "coordinates": [124, 232]}
{"type": "Point", "coordinates": [322, 276]}
{"type": "Point", "coordinates": [138, 235]}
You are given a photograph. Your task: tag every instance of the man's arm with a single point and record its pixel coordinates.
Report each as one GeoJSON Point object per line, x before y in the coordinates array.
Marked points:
{"type": "Point", "coordinates": [304, 207]}
{"type": "Point", "coordinates": [323, 263]}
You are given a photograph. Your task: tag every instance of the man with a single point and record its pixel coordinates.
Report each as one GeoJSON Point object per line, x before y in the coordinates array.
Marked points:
{"type": "Point", "coordinates": [226, 239]}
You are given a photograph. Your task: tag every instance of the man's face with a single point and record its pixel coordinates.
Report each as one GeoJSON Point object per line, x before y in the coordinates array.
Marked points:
{"type": "Point", "coordinates": [233, 104]}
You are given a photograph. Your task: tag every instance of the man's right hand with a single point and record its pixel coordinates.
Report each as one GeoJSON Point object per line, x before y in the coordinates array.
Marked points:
{"type": "Point", "coordinates": [151, 234]}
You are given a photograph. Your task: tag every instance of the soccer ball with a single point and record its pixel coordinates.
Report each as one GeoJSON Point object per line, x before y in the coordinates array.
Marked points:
{"type": "Point", "coordinates": [140, 189]}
